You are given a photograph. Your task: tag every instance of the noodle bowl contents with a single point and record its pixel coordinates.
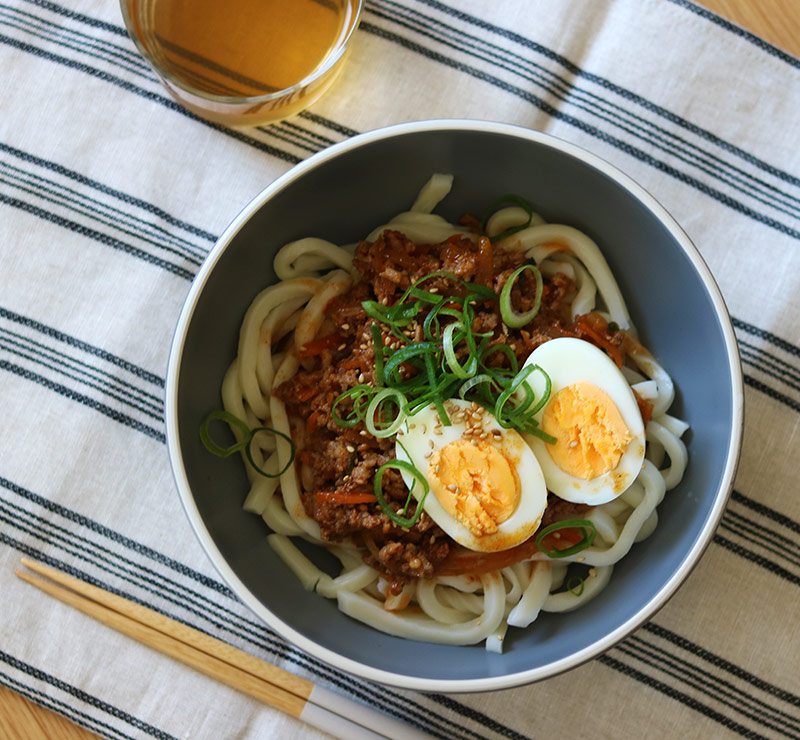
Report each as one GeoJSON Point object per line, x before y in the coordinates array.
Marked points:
{"type": "Point", "coordinates": [461, 414]}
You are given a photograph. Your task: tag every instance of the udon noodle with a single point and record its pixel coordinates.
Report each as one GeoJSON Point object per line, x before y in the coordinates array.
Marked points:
{"type": "Point", "coordinates": [468, 608]}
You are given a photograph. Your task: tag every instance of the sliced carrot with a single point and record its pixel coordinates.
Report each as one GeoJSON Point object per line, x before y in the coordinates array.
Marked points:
{"type": "Point", "coordinates": [345, 497]}
{"type": "Point", "coordinates": [561, 539]}
{"type": "Point", "coordinates": [318, 346]}
{"type": "Point", "coordinates": [587, 326]}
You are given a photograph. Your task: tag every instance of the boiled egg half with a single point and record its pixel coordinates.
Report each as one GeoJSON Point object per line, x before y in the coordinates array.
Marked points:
{"type": "Point", "coordinates": [487, 490]}
{"type": "Point", "coordinates": [594, 417]}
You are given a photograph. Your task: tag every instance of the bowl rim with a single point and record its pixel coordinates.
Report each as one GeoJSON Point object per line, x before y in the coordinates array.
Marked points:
{"type": "Point", "coordinates": [489, 683]}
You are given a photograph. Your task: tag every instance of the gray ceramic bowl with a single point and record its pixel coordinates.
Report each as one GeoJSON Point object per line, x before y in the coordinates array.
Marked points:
{"type": "Point", "coordinates": [341, 194]}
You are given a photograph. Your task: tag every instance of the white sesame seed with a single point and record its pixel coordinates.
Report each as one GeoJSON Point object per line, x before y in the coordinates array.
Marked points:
{"type": "Point", "coordinates": [350, 448]}
{"type": "Point", "coordinates": [345, 326]}
{"type": "Point", "coordinates": [341, 347]}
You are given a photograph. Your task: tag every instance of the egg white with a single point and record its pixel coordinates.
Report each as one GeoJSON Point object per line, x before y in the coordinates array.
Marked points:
{"type": "Point", "coordinates": [568, 360]}
{"type": "Point", "coordinates": [424, 434]}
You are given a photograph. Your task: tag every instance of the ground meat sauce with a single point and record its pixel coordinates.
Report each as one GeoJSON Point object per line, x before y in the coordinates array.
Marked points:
{"type": "Point", "coordinates": [344, 460]}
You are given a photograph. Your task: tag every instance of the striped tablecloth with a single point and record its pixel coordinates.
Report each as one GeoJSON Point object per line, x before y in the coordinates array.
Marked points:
{"type": "Point", "coordinates": [110, 198]}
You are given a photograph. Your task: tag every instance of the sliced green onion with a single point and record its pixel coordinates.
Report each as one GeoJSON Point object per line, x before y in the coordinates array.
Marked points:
{"type": "Point", "coordinates": [358, 394]}
{"type": "Point", "coordinates": [448, 345]}
{"type": "Point", "coordinates": [510, 316]}
{"type": "Point", "coordinates": [376, 407]}
{"type": "Point", "coordinates": [234, 421]}
{"type": "Point", "coordinates": [377, 342]}
{"type": "Point", "coordinates": [576, 585]}
{"type": "Point", "coordinates": [507, 200]}
{"type": "Point", "coordinates": [589, 534]}
{"type": "Point", "coordinates": [243, 444]}
{"type": "Point", "coordinates": [405, 354]}
{"type": "Point", "coordinates": [249, 453]}
{"type": "Point", "coordinates": [401, 465]}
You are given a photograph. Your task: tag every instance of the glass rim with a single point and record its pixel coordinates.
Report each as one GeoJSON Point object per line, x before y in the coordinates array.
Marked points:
{"type": "Point", "coordinates": [237, 100]}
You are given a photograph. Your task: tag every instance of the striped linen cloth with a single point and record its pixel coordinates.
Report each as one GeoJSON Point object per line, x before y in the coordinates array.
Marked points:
{"type": "Point", "coordinates": [110, 198]}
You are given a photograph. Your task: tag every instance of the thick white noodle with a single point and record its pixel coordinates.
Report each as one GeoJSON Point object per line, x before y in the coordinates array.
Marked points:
{"type": "Point", "coordinates": [580, 245]}
{"type": "Point", "coordinates": [509, 217]}
{"type": "Point", "coordinates": [432, 193]}
{"type": "Point", "coordinates": [278, 519]}
{"type": "Point", "coordinates": [435, 609]}
{"type": "Point", "coordinates": [250, 336]}
{"type": "Point", "coordinates": [675, 449]}
{"type": "Point", "coordinates": [422, 627]}
{"type": "Point", "coordinates": [566, 601]}
{"type": "Point", "coordinates": [666, 389]}
{"type": "Point", "coordinates": [533, 597]}
{"type": "Point", "coordinates": [421, 228]}
{"type": "Point", "coordinates": [305, 257]}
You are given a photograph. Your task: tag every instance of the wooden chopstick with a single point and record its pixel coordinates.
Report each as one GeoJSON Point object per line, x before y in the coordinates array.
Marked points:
{"type": "Point", "coordinates": [268, 683]}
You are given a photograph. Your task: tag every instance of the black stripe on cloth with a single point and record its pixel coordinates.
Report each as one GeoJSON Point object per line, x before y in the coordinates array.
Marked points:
{"type": "Point", "coordinates": [85, 347]}
{"type": "Point", "coordinates": [766, 511]}
{"type": "Point", "coordinates": [594, 131]}
{"type": "Point", "coordinates": [712, 688]}
{"type": "Point", "coordinates": [774, 543]}
{"type": "Point", "coordinates": [112, 193]}
{"type": "Point", "coordinates": [770, 365]}
{"type": "Point", "coordinates": [753, 557]}
{"type": "Point", "coordinates": [74, 15]}
{"type": "Point", "coordinates": [83, 696]}
{"type": "Point", "coordinates": [40, 28]}
{"type": "Point", "coordinates": [763, 535]}
{"type": "Point", "coordinates": [771, 392]}
{"type": "Point", "coordinates": [767, 336]}
{"type": "Point", "coordinates": [590, 103]}
{"type": "Point", "coordinates": [149, 95]}
{"type": "Point", "coordinates": [721, 663]}
{"type": "Point", "coordinates": [41, 349]}
{"type": "Point", "coordinates": [86, 375]}
{"type": "Point", "coordinates": [98, 212]}
{"type": "Point", "coordinates": [680, 696]}
{"type": "Point", "coordinates": [612, 87]}
{"type": "Point", "coordinates": [85, 720]}
{"type": "Point", "coordinates": [97, 236]}
{"type": "Point", "coordinates": [87, 401]}
{"type": "Point", "coordinates": [739, 31]}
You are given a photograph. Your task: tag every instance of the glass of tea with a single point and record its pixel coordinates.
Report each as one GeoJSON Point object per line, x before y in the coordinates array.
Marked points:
{"type": "Point", "coordinates": [243, 62]}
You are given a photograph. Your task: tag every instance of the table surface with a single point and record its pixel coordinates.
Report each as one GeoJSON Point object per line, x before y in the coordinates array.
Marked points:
{"type": "Point", "coordinates": [776, 21]}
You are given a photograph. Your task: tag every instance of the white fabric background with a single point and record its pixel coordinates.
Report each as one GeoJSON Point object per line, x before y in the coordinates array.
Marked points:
{"type": "Point", "coordinates": [99, 178]}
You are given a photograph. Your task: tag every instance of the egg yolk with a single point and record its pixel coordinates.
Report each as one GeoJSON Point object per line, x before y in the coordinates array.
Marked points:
{"type": "Point", "coordinates": [590, 433]}
{"type": "Point", "coordinates": [475, 483]}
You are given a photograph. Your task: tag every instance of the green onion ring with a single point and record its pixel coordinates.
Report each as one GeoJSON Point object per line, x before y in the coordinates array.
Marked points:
{"type": "Point", "coordinates": [576, 589]}
{"type": "Point", "coordinates": [412, 471]}
{"type": "Point", "coordinates": [249, 453]}
{"type": "Point", "coordinates": [234, 421]}
{"type": "Point", "coordinates": [510, 317]}
{"type": "Point", "coordinates": [589, 534]}
{"type": "Point", "coordinates": [448, 345]}
{"type": "Point", "coordinates": [374, 405]}
{"type": "Point", "coordinates": [509, 199]}
{"type": "Point", "coordinates": [357, 393]}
